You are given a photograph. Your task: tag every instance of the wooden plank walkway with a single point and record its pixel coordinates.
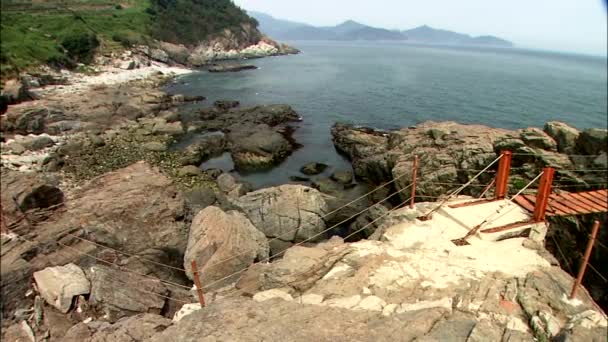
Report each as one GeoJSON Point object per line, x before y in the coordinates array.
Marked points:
{"type": "Point", "coordinates": [567, 204]}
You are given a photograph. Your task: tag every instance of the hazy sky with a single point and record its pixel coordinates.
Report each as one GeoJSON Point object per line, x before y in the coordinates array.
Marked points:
{"type": "Point", "coordinates": [562, 25]}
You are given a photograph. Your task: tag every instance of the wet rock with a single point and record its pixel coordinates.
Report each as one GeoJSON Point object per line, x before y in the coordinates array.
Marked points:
{"type": "Point", "coordinates": [215, 236]}
{"type": "Point", "coordinates": [225, 105]}
{"type": "Point", "coordinates": [563, 134]}
{"type": "Point", "coordinates": [230, 67]}
{"type": "Point", "coordinates": [343, 177]}
{"type": "Point", "coordinates": [214, 173]}
{"type": "Point", "coordinates": [299, 179]}
{"type": "Point", "coordinates": [189, 170]}
{"type": "Point", "coordinates": [313, 168]}
{"type": "Point", "coordinates": [291, 212]}
{"type": "Point", "coordinates": [258, 148]}
{"type": "Point", "coordinates": [58, 285]}
{"type": "Point", "coordinates": [120, 293]}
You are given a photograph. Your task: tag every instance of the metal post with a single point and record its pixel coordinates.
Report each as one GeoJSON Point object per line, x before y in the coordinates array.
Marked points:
{"type": "Point", "coordinates": [414, 176]}
{"type": "Point", "coordinates": [542, 196]}
{"type": "Point", "coordinates": [581, 272]}
{"type": "Point", "coordinates": [502, 177]}
{"type": "Point", "coordinates": [197, 282]}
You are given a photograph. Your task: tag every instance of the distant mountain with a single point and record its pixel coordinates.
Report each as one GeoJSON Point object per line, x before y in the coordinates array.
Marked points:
{"type": "Point", "coordinates": [352, 30]}
{"type": "Point", "coordinates": [429, 35]}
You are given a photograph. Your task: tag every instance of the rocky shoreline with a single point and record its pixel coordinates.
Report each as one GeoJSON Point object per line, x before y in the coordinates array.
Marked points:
{"type": "Point", "coordinates": [113, 161]}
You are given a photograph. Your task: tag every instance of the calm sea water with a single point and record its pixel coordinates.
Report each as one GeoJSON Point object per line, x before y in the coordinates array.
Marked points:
{"type": "Point", "coordinates": [390, 85]}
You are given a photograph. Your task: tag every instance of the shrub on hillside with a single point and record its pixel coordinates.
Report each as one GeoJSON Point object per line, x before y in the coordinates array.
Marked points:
{"type": "Point", "coordinates": [80, 47]}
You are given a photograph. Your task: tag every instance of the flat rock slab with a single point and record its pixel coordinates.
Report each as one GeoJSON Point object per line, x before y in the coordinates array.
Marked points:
{"type": "Point", "coordinates": [123, 294]}
{"type": "Point", "coordinates": [58, 285]}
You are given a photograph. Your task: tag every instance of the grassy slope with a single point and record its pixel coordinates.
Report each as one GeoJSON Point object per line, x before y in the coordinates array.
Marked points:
{"type": "Point", "coordinates": [31, 32]}
{"type": "Point", "coordinates": [33, 37]}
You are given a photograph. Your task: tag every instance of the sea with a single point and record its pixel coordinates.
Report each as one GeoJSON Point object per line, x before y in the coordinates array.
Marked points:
{"type": "Point", "coordinates": [388, 85]}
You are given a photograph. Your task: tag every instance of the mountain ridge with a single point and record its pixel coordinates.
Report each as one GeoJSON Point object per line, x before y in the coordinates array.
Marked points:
{"type": "Point", "coordinates": [353, 30]}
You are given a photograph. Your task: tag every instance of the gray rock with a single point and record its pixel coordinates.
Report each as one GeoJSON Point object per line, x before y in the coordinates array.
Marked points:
{"type": "Point", "coordinates": [214, 173]}
{"type": "Point", "coordinates": [216, 236]}
{"type": "Point", "coordinates": [592, 141]}
{"type": "Point", "coordinates": [154, 146]}
{"type": "Point", "coordinates": [257, 148]}
{"type": "Point", "coordinates": [200, 198]}
{"type": "Point", "coordinates": [16, 92]}
{"type": "Point", "coordinates": [601, 161]}
{"type": "Point", "coordinates": [313, 168]}
{"type": "Point", "coordinates": [536, 138]}
{"type": "Point", "coordinates": [16, 148]}
{"type": "Point", "coordinates": [367, 223]}
{"type": "Point", "coordinates": [37, 143]}
{"type": "Point", "coordinates": [225, 105]}
{"type": "Point", "coordinates": [169, 128]}
{"type": "Point", "coordinates": [78, 333]}
{"type": "Point", "coordinates": [343, 177]}
{"type": "Point", "coordinates": [135, 328]}
{"type": "Point", "coordinates": [189, 170]}
{"type": "Point", "coordinates": [230, 67]}
{"type": "Point", "coordinates": [226, 182]}
{"type": "Point", "coordinates": [278, 247]}
{"type": "Point", "coordinates": [120, 293]}
{"type": "Point", "coordinates": [291, 212]}
{"type": "Point", "coordinates": [563, 134]}
{"type": "Point", "coordinates": [58, 285]}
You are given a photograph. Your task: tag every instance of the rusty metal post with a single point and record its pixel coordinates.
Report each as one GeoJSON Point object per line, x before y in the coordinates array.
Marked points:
{"type": "Point", "coordinates": [197, 282]}
{"type": "Point", "coordinates": [581, 271]}
{"type": "Point", "coordinates": [502, 177]}
{"type": "Point", "coordinates": [414, 176]}
{"type": "Point", "coordinates": [542, 196]}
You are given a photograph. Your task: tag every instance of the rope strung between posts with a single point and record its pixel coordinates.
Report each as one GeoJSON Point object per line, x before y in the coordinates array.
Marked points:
{"type": "Point", "coordinates": [78, 252]}
{"type": "Point", "coordinates": [404, 203]}
{"type": "Point", "coordinates": [500, 208]}
{"type": "Point", "coordinates": [457, 191]}
{"type": "Point", "coordinates": [322, 217]}
{"type": "Point", "coordinates": [301, 242]}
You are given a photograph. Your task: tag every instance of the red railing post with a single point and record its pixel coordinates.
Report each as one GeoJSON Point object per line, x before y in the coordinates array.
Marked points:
{"type": "Point", "coordinates": [414, 176]}
{"type": "Point", "coordinates": [197, 282]}
{"type": "Point", "coordinates": [542, 196]}
{"type": "Point", "coordinates": [581, 271]}
{"type": "Point", "coordinates": [502, 177]}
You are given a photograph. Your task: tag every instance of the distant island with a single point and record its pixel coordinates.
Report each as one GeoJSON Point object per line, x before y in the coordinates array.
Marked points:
{"type": "Point", "coordinates": [352, 30]}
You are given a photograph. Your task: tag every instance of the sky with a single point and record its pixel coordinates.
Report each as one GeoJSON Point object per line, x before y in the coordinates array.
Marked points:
{"type": "Point", "coordinates": [577, 26]}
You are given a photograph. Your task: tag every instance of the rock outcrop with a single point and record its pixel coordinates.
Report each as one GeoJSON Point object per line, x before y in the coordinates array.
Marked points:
{"type": "Point", "coordinates": [452, 153]}
{"type": "Point", "coordinates": [223, 243]}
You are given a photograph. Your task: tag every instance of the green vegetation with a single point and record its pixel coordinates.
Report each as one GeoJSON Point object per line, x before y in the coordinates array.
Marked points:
{"type": "Point", "coordinates": [189, 21]}
{"type": "Point", "coordinates": [64, 33]}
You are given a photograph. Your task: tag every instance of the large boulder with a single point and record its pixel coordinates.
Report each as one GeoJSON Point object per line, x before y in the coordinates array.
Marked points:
{"type": "Point", "coordinates": [313, 168]}
{"type": "Point", "coordinates": [259, 147]}
{"type": "Point", "coordinates": [564, 135]}
{"type": "Point", "coordinates": [118, 293]}
{"type": "Point", "coordinates": [592, 141]}
{"type": "Point", "coordinates": [58, 285]}
{"type": "Point", "coordinates": [223, 243]}
{"type": "Point", "coordinates": [289, 212]}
